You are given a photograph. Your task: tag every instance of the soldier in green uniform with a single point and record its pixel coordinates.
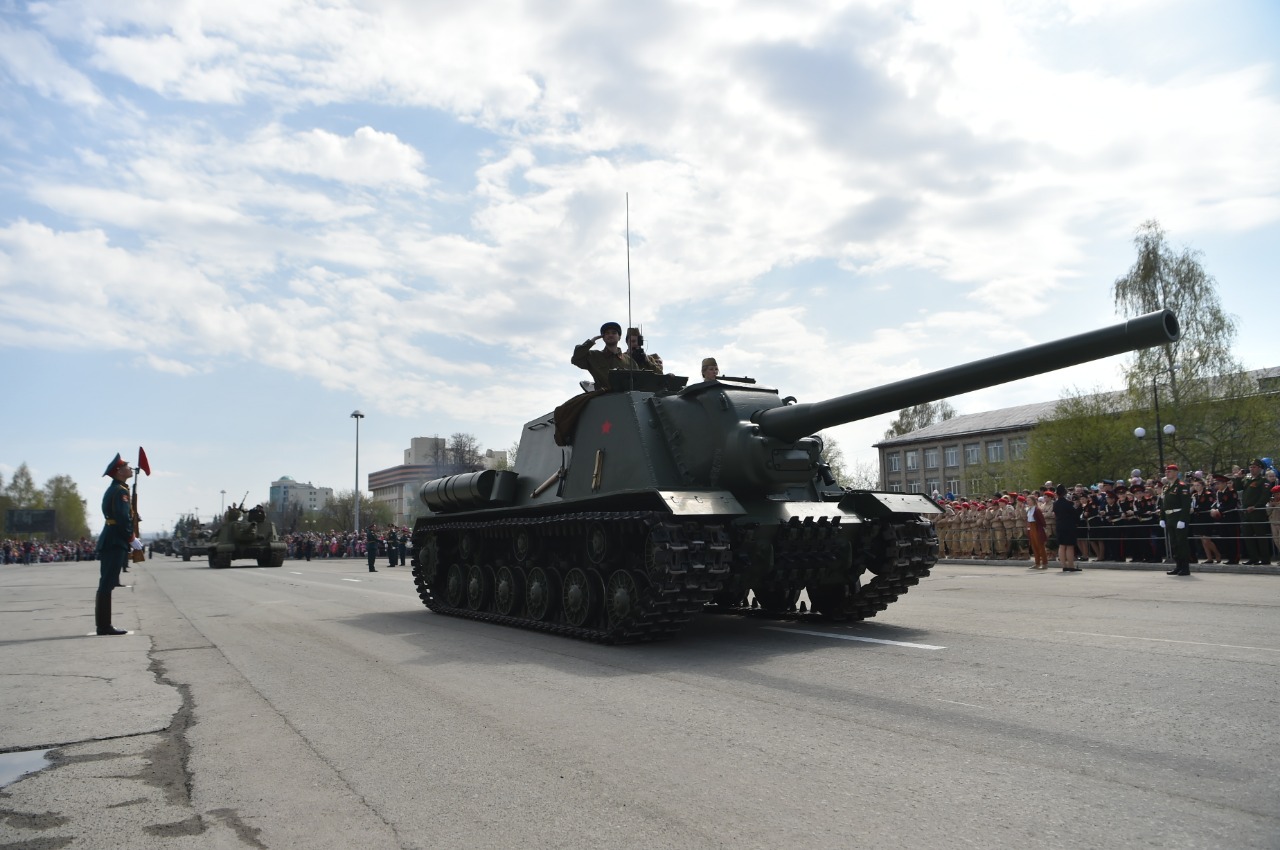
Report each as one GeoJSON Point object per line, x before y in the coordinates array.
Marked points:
{"type": "Point", "coordinates": [114, 542]}
{"type": "Point", "coordinates": [600, 363]}
{"type": "Point", "coordinates": [1175, 516]}
{"type": "Point", "coordinates": [1255, 529]}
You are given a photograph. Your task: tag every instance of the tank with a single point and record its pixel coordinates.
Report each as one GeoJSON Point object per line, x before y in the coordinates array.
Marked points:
{"type": "Point", "coordinates": [673, 498]}
{"type": "Point", "coordinates": [195, 544]}
{"type": "Point", "coordinates": [246, 534]}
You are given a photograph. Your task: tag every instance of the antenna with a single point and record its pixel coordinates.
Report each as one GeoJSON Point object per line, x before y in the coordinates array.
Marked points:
{"type": "Point", "coordinates": [628, 197]}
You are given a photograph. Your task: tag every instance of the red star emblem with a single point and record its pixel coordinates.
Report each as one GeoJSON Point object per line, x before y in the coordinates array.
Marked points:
{"type": "Point", "coordinates": [606, 427]}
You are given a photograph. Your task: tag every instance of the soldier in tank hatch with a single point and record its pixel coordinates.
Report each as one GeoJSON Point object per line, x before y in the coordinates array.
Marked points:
{"type": "Point", "coordinates": [635, 350]}
{"type": "Point", "coordinates": [600, 363]}
{"type": "Point", "coordinates": [710, 369]}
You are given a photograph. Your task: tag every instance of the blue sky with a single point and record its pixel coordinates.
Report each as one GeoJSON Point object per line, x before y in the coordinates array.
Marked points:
{"type": "Point", "coordinates": [225, 225]}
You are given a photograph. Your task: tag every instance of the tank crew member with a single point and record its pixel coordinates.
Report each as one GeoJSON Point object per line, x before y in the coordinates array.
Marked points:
{"type": "Point", "coordinates": [710, 369]}
{"type": "Point", "coordinates": [114, 542]}
{"type": "Point", "coordinates": [1254, 494]}
{"type": "Point", "coordinates": [371, 546]}
{"type": "Point", "coordinates": [635, 350]}
{"type": "Point", "coordinates": [600, 363]}
{"type": "Point", "coordinates": [1175, 515]}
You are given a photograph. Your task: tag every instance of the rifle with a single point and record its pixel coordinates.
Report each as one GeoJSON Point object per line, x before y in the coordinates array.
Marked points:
{"type": "Point", "coordinates": [137, 556]}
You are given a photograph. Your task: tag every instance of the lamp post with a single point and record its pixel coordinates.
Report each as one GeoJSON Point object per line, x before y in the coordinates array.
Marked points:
{"type": "Point", "coordinates": [223, 509]}
{"type": "Point", "coordinates": [1161, 432]}
{"type": "Point", "coordinates": [357, 416]}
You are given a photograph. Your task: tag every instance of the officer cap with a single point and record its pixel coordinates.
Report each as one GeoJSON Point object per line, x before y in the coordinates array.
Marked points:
{"type": "Point", "coordinates": [1172, 466]}
{"type": "Point", "coordinates": [1108, 481]}
{"type": "Point", "coordinates": [1137, 488]}
{"type": "Point", "coordinates": [1120, 488]}
{"type": "Point", "coordinates": [614, 326]}
{"type": "Point", "coordinates": [1220, 478]}
{"type": "Point", "coordinates": [1256, 462]}
{"type": "Point", "coordinates": [115, 464]}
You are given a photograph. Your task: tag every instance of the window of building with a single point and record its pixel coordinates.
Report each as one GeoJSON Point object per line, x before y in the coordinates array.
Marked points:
{"type": "Point", "coordinates": [953, 486]}
{"type": "Point", "coordinates": [975, 486]}
{"type": "Point", "coordinates": [895, 486]}
{"type": "Point", "coordinates": [895, 462]}
{"type": "Point", "coordinates": [951, 455]}
{"type": "Point", "coordinates": [995, 452]}
{"type": "Point", "coordinates": [932, 486]}
{"type": "Point", "coordinates": [971, 456]}
{"type": "Point", "coordinates": [913, 460]}
{"type": "Point", "coordinates": [930, 458]}
{"type": "Point", "coordinates": [1018, 448]}
{"type": "Point", "coordinates": [913, 486]}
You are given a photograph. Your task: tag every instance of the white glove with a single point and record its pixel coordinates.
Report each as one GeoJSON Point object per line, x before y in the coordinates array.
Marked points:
{"type": "Point", "coordinates": [136, 544]}
{"type": "Point", "coordinates": [1162, 523]}
{"type": "Point", "coordinates": [1181, 524]}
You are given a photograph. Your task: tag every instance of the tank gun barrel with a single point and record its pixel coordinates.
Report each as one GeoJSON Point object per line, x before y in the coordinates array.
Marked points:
{"type": "Point", "coordinates": [792, 422]}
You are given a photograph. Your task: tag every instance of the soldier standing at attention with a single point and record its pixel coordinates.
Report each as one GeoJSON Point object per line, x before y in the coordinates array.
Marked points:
{"type": "Point", "coordinates": [371, 546]}
{"type": "Point", "coordinates": [114, 542]}
{"type": "Point", "coordinates": [1175, 514]}
{"type": "Point", "coordinates": [600, 363]}
{"type": "Point", "coordinates": [392, 549]}
{"type": "Point", "coordinates": [1253, 499]}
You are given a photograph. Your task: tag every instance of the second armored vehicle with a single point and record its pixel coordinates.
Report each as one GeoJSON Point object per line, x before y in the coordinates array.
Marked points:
{"type": "Point", "coordinates": [246, 534]}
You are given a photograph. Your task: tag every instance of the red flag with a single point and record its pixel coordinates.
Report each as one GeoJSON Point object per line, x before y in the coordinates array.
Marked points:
{"type": "Point", "coordinates": [142, 461]}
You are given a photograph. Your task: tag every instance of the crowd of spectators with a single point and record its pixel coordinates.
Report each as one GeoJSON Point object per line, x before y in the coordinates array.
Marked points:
{"type": "Point", "coordinates": [306, 545]}
{"type": "Point", "coordinates": [46, 552]}
{"type": "Point", "coordinates": [1118, 520]}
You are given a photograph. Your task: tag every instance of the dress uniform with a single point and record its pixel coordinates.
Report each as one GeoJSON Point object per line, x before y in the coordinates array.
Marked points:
{"type": "Point", "coordinates": [1254, 528]}
{"type": "Point", "coordinates": [113, 543]}
{"type": "Point", "coordinates": [1175, 514]}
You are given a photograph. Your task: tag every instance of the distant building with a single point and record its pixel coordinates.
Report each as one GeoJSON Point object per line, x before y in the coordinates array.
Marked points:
{"type": "Point", "coordinates": [425, 459]}
{"type": "Point", "coordinates": [289, 498]}
{"type": "Point", "coordinates": [946, 457]}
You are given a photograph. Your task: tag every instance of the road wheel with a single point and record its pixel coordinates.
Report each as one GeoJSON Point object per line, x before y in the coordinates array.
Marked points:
{"type": "Point", "coordinates": [621, 598]}
{"type": "Point", "coordinates": [581, 597]}
{"type": "Point", "coordinates": [508, 591]}
{"type": "Point", "coordinates": [455, 589]}
{"type": "Point", "coordinates": [479, 587]}
{"type": "Point", "coordinates": [542, 594]}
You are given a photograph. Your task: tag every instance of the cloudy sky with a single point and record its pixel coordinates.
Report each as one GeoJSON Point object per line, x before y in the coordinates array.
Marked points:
{"type": "Point", "coordinates": [225, 224]}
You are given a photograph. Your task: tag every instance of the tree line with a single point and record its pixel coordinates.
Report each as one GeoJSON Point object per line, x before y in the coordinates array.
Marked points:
{"type": "Point", "coordinates": [58, 494]}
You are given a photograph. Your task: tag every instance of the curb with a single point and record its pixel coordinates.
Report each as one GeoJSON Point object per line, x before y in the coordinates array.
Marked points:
{"type": "Point", "coordinates": [1241, 569]}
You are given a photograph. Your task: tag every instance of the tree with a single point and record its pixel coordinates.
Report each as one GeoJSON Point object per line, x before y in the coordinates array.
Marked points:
{"type": "Point", "coordinates": [920, 416]}
{"type": "Point", "coordinates": [834, 457]}
{"type": "Point", "coordinates": [62, 494]}
{"type": "Point", "coordinates": [1088, 438]}
{"type": "Point", "coordinates": [464, 453]}
{"type": "Point", "coordinates": [1197, 382]}
{"type": "Point", "coordinates": [339, 513]}
{"type": "Point", "coordinates": [22, 490]}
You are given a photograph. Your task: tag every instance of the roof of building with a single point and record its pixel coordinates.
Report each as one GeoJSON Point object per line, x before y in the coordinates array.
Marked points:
{"type": "Point", "coordinates": [1004, 419]}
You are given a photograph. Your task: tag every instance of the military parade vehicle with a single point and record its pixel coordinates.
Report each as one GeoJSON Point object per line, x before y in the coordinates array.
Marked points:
{"type": "Point", "coordinates": [246, 534]}
{"type": "Point", "coordinates": [669, 497]}
{"type": "Point", "coordinates": [195, 544]}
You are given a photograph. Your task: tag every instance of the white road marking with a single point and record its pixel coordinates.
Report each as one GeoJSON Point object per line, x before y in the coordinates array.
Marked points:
{"type": "Point", "coordinates": [953, 702]}
{"type": "Point", "coordinates": [1167, 640]}
{"type": "Point", "coordinates": [854, 637]}
{"type": "Point", "coordinates": [356, 580]}
{"type": "Point", "coordinates": [292, 573]}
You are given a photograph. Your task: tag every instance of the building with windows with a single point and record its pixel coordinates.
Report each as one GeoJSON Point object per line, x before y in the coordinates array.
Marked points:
{"type": "Point", "coordinates": [426, 458]}
{"type": "Point", "coordinates": [290, 498]}
{"type": "Point", "coordinates": [965, 454]}
{"type": "Point", "coordinates": [970, 455]}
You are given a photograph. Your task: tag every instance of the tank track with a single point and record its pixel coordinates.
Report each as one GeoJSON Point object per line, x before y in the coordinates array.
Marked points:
{"type": "Point", "coordinates": [675, 568]}
{"type": "Point", "coordinates": [680, 568]}
{"type": "Point", "coordinates": [898, 555]}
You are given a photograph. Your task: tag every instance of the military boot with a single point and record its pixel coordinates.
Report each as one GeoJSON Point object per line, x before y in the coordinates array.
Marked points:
{"type": "Point", "coordinates": [102, 616]}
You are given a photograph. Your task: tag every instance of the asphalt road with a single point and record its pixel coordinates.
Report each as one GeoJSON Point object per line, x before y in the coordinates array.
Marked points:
{"type": "Point", "coordinates": [318, 705]}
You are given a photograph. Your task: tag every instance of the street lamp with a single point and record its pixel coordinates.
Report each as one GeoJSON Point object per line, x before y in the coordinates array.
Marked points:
{"type": "Point", "coordinates": [1161, 433]}
{"type": "Point", "coordinates": [223, 509]}
{"type": "Point", "coordinates": [357, 416]}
